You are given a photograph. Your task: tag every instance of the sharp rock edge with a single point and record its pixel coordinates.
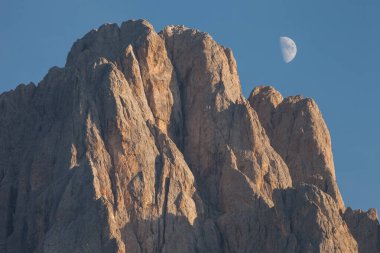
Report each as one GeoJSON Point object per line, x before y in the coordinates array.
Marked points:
{"type": "Point", "coordinates": [144, 142]}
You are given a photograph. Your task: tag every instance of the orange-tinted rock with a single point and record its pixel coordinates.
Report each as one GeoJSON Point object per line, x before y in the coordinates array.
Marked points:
{"type": "Point", "coordinates": [144, 142]}
{"type": "Point", "coordinates": [299, 134]}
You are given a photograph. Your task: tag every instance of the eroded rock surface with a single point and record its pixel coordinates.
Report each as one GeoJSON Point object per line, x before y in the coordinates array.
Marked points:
{"type": "Point", "coordinates": [365, 228]}
{"type": "Point", "coordinates": [299, 134]}
{"type": "Point", "coordinates": [144, 142]}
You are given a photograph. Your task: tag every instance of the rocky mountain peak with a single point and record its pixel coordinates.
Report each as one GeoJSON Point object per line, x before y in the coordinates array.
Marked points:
{"type": "Point", "coordinates": [144, 142]}
{"type": "Point", "coordinates": [299, 134]}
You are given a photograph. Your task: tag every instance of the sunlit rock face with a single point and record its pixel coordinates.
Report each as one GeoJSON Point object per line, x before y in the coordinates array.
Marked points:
{"type": "Point", "coordinates": [299, 134]}
{"type": "Point", "coordinates": [144, 142]}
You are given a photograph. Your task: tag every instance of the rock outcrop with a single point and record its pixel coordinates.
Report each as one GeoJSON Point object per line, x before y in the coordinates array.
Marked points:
{"type": "Point", "coordinates": [365, 227]}
{"type": "Point", "coordinates": [299, 134]}
{"type": "Point", "coordinates": [144, 142]}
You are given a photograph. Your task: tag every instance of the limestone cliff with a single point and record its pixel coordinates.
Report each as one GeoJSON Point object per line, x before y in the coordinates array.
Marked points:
{"type": "Point", "coordinates": [144, 142]}
{"type": "Point", "coordinates": [299, 134]}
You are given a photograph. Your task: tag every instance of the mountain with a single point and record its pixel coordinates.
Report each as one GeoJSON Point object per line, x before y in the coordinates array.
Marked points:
{"type": "Point", "coordinates": [143, 142]}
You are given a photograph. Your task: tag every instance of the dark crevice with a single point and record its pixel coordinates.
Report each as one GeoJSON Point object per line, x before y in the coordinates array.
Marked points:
{"type": "Point", "coordinates": [113, 179]}
{"type": "Point", "coordinates": [164, 212]}
{"type": "Point", "coordinates": [158, 162]}
{"type": "Point", "coordinates": [326, 187]}
{"type": "Point", "coordinates": [182, 95]}
{"type": "Point", "coordinates": [12, 210]}
{"type": "Point", "coordinates": [2, 175]}
{"type": "Point", "coordinates": [180, 131]}
{"type": "Point", "coordinates": [158, 174]}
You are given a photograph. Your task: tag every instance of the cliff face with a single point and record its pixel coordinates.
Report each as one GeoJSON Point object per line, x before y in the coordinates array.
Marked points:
{"type": "Point", "coordinates": [144, 142]}
{"type": "Point", "coordinates": [299, 134]}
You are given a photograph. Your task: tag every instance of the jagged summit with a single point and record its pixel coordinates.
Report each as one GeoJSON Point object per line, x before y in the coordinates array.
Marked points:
{"type": "Point", "coordinates": [144, 142]}
{"type": "Point", "coordinates": [299, 134]}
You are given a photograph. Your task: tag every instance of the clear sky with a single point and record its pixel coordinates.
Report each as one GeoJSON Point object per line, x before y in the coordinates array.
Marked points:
{"type": "Point", "coordinates": [338, 60]}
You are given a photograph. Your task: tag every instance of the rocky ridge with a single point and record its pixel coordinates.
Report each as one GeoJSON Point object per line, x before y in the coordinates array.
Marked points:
{"type": "Point", "coordinates": [144, 142]}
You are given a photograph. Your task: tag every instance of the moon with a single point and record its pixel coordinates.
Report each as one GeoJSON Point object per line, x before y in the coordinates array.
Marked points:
{"type": "Point", "coordinates": [288, 49]}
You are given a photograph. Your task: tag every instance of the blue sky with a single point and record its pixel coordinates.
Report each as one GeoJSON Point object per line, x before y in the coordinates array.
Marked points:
{"type": "Point", "coordinates": [338, 60]}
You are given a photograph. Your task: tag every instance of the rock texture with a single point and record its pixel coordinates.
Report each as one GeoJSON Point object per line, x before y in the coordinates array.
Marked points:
{"type": "Point", "coordinates": [365, 228]}
{"type": "Point", "coordinates": [144, 142]}
{"type": "Point", "coordinates": [299, 134]}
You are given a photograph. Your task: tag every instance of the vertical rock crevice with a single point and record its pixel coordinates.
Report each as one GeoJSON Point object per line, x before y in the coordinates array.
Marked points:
{"type": "Point", "coordinates": [144, 143]}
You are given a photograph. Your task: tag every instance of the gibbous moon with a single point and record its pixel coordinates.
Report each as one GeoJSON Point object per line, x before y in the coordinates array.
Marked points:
{"type": "Point", "coordinates": [288, 49]}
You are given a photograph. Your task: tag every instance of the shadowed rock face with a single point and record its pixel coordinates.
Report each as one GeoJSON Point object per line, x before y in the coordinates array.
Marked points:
{"type": "Point", "coordinates": [144, 142]}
